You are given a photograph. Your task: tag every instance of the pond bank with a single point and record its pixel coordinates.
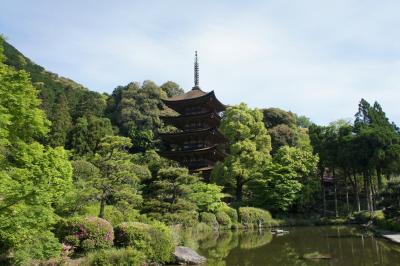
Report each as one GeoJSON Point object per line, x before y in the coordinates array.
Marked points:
{"type": "Point", "coordinates": [390, 235]}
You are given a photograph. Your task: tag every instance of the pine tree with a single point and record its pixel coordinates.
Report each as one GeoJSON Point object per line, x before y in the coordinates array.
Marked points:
{"type": "Point", "coordinates": [61, 122]}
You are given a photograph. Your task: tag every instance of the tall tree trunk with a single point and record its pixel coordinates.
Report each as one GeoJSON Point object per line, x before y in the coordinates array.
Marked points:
{"type": "Point", "coordinates": [336, 205]}
{"type": "Point", "coordinates": [358, 200]}
{"type": "Point", "coordinates": [239, 189]}
{"type": "Point", "coordinates": [366, 190]}
{"type": "Point", "coordinates": [379, 177]}
{"type": "Point", "coordinates": [324, 200]}
{"type": "Point", "coordinates": [356, 193]}
{"type": "Point", "coordinates": [102, 205]}
{"type": "Point", "coordinates": [370, 194]}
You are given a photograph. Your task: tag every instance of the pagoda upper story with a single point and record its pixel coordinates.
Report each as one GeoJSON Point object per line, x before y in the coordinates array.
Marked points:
{"type": "Point", "coordinates": [198, 144]}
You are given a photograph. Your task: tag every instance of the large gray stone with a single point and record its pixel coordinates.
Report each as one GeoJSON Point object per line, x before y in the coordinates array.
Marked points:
{"type": "Point", "coordinates": [187, 256]}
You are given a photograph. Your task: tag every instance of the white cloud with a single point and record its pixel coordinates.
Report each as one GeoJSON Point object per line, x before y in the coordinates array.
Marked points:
{"type": "Point", "coordinates": [312, 57]}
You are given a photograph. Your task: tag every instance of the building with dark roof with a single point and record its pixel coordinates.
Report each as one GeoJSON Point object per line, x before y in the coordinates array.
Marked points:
{"type": "Point", "coordinates": [198, 144]}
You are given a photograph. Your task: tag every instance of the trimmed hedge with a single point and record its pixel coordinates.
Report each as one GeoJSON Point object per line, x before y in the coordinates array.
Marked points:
{"type": "Point", "coordinates": [254, 217]}
{"type": "Point", "coordinates": [210, 219]}
{"type": "Point", "coordinates": [86, 234]}
{"type": "Point", "coordinates": [155, 240]}
{"type": "Point", "coordinates": [231, 212]}
{"type": "Point", "coordinates": [111, 257]}
{"type": "Point", "coordinates": [223, 219]}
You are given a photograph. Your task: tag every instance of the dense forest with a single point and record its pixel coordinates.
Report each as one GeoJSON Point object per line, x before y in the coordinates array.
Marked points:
{"type": "Point", "coordinates": [81, 178]}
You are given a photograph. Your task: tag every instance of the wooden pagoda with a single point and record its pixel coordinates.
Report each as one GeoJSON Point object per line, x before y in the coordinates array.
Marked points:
{"type": "Point", "coordinates": [198, 144]}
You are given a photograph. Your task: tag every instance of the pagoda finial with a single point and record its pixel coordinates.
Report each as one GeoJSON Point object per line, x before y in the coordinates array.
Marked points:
{"type": "Point", "coordinates": [196, 71]}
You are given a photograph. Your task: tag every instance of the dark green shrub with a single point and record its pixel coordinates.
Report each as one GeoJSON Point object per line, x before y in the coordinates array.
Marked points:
{"type": "Point", "coordinates": [186, 219]}
{"type": "Point", "coordinates": [392, 224]}
{"type": "Point", "coordinates": [231, 212]}
{"type": "Point", "coordinates": [111, 257]}
{"type": "Point", "coordinates": [162, 242]}
{"type": "Point", "coordinates": [132, 234]}
{"type": "Point", "coordinates": [86, 233]}
{"type": "Point", "coordinates": [155, 240]}
{"type": "Point", "coordinates": [362, 217]}
{"type": "Point", "coordinates": [40, 247]}
{"type": "Point", "coordinates": [254, 217]}
{"type": "Point", "coordinates": [223, 219]}
{"type": "Point", "coordinates": [209, 219]}
{"type": "Point", "coordinates": [365, 216]}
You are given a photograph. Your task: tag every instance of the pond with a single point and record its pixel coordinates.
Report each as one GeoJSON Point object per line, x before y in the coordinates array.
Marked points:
{"type": "Point", "coordinates": [324, 245]}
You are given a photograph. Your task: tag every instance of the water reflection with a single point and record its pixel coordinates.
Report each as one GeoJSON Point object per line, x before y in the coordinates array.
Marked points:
{"type": "Point", "coordinates": [302, 246]}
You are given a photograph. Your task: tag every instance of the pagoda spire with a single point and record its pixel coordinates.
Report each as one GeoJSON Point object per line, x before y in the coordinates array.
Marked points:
{"type": "Point", "coordinates": [196, 72]}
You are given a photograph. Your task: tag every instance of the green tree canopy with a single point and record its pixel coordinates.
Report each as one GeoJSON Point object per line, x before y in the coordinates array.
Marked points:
{"type": "Point", "coordinates": [32, 178]}
{"type": "Point", "coordinates": [171, 88]}
{"type": "Point", "coordinates": [117, 179]}
{"type": "Point", "coordinates": [275, 116]}
{"type": "Point", "coordinates": [88, 133]}
{"type": "Point", "coordinates": [249, 147]}
{"type": "Point", "coordinates": [168, 197]}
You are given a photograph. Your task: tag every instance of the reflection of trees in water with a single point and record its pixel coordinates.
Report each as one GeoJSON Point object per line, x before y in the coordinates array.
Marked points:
{"type": "Point", "coordinates": [254, 239]}
{"type": "Point", "coordinates": [216, 247]}
{"type": "Point", "coordinates": [287, 255]}
{"type": "Point", "coordinates": [346, 245]}
{"type": "Point", "coordinates": [194, 239]}
{"type": "Point", "coordinates": [257, 248]}
{"type": "Point", "coordinates": [385, 247]}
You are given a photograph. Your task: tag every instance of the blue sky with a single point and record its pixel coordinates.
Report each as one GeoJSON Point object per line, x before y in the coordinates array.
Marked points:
{"type": "Point", "coordinates": [316, 58]}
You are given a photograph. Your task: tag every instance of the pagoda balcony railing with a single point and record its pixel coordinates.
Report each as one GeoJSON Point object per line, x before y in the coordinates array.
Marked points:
{"type": "Point", "coordinates": [194, 146]}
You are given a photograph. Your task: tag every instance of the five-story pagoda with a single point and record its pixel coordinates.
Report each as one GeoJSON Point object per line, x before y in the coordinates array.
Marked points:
{"type": "Point", "coordinates": [198, 144]}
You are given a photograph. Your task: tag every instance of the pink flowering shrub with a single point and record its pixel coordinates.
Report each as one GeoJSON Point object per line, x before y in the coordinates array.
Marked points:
{"type": "Point", "coordinates": [85, 234]}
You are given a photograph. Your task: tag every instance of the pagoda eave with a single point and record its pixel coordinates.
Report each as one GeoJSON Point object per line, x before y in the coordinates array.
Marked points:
{"type": "Point", "coordinates": [209, 152]}
{"type": "Point", "coordinates": [179, 137]}
{"type": "Point", "coordinates": [183, 119]}
{"type": "Point", "coordinates": [208, 99]}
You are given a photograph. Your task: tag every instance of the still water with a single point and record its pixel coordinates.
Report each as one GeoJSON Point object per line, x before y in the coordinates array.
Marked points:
{"type": "Point", "coordinates": [339, 245]}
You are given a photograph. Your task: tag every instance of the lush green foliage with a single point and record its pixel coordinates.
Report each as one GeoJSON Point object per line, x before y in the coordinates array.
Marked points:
{"type": "Point", "coordinates": [209, 219]}
{"type": "Point", "coordinates": [167, 197]}
{"type": "Point", "coordinates": [277, 189]}
{"type": "Point", "coordinates": [135, 110]}
{"type": "Point", "coordinates": [208, 197]}
{"type": "Point", "coordinates": [362, 155]}
{"type": "Point", "coordinates": [32, 177]}
{"type": "Point", "coordinates": [154, 240]}
{"type": "Point", "coordinates": [87, 134]}
{"type": "Point", "coordinates": [86, 234]}
{"type": "Point", "coordinates": [276, 161]}
{"type": "Point", "coordinates": [223, 219]}
{"type": "Point", "coordinates": [286, 181]}
{"type": "Point", "coordinates": [117, 257]}
{"type": "Point", "coordinates": [232, 213]}
{"type": "Point", "coordinates": [117, 177]}
{"type": "Point", "coordinates": [254, 217]}
{"type": "Point", "coordinates": [391, 198]}
{"type": "Point", "coordinates": [249, 147]}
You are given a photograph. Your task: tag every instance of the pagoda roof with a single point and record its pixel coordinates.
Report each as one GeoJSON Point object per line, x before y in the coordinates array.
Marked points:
{"type": "Point", "coordinates": [208, 151]}
{"type": "Point", "coordinates": [194, 93]}
{"type": "Point", "coordinates": [182, 136]}
{"type": "Point", "coordinates": [193, 97]}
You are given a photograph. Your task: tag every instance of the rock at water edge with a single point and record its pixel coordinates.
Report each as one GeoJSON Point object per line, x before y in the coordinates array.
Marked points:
{"type": "Point", "coordinates": [185, 255]}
